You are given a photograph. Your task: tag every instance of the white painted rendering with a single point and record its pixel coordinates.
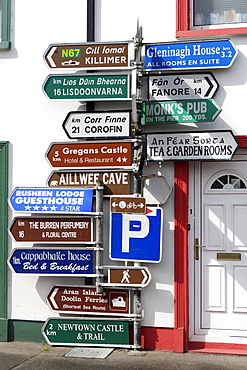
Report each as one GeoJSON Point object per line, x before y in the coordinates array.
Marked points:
{"type": "Point", "coordinates": [30, 122]}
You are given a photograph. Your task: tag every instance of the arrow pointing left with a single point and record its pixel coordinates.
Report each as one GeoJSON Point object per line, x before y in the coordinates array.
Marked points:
{"type": "Point", "coordinates": [52, 298]}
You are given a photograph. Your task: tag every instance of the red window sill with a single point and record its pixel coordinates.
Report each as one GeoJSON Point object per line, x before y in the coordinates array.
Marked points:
{"type": "Point", "coordinates": [212, 32]}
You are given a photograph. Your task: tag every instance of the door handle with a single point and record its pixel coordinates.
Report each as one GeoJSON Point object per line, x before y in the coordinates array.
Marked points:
{"type": "Point", "coordinates": [197, 246]}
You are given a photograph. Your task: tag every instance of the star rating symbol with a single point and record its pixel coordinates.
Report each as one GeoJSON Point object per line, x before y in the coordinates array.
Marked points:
{"type": "Point", "coordinates": [124, 159]}
{"type": "Point", "coordinates": [36, 208]}
{"type": "Point", "coordinates": [44, 208]}
{"type": "Point", "coordinates": [53, 208]}
{"type": "Point", "coordinates": [27, 208]}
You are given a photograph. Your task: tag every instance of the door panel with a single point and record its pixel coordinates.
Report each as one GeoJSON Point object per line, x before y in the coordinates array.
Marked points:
{"type": "Point", "coordinates": [214, 230]}
{"type": "Point", "coordinates": [239, 213]}
{"type": "Point", "coordinates": [215, 288]}
{"type": "Point", "coordinates": [220, 274]}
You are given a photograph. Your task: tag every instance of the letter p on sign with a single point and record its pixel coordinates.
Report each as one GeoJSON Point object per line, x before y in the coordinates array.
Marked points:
{"type": "Point", "coordinates": [134, 226]}
{"type": "Point", "coordinates": [136, 237]}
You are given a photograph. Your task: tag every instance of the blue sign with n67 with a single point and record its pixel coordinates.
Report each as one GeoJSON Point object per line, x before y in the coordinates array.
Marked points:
{"type": "Point", "coordinates": [137, 237]}
{"type": "Point", "coordinates": [49, 200]}
{"type": "Point", "coordinates": [190, 55]}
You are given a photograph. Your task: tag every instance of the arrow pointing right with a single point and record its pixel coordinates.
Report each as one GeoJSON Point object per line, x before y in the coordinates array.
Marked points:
{"type": "Point", "coordinates": [145, 277]}
{"type": "Point", "coordinates": [211, 86]}
{"type": "Point", "coordinates": [128, 276]}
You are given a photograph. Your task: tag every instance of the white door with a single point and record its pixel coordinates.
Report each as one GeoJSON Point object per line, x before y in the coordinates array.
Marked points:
{"type": "Point", "coordinates": [218, 214]}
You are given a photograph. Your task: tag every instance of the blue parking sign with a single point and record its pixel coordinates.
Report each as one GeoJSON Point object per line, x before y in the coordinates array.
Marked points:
{"type": "Point", "coordinates": [137, 237]}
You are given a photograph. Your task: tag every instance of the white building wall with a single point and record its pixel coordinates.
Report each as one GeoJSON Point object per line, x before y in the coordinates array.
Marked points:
{"type": "Point", "coordinates": [30, 122]}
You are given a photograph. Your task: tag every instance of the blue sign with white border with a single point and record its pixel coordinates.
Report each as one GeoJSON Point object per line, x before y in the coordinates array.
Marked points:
{"type": "Point", "coordinates": [137, 237]}
{"type": "Point", "coordinates": [50, 200]}
{"type": "Point", "coordinates": [190, 55]}
{"type": "Point", "coordinates": [52, 262]}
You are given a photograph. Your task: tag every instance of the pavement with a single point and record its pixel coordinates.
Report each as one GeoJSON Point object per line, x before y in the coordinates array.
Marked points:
{"type": "Point", "coordinates": [38, 356]}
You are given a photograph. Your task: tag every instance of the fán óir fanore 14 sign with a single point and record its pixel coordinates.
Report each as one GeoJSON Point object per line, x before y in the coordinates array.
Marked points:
{"type": "Point", "coordinates": [52, 262]}
{"type": "Point", "coordinates": [51, 200]}
{"type": "Point", "coordinates": [216, 145]}
{"type": "Point", "coordinates": [190, 55]}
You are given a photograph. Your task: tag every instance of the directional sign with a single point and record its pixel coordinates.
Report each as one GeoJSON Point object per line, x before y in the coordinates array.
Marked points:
{"type": "Point", "coordinates": [85, 300]}
{"type": "Point", "coordinates": [51, 200]}
{"type": "Point", "coordinates": [79, 332]}
{"type": "Point", "coordinates": [90, 154]}
{"type": "Point", "coordinates": [190, 55]}
{"type": "Point", "coordinates": [136, 237]}
{"type": "Point", "coordinates": [87, 87]}
{"type": "Point", "coordinates": [79, 125]}
{"type": "Point", "coordinates": [88, 55]}
{"type": "Point", "coordinates": [185, 111]}
{"type": "Point", "coordinates": [129, 204]}
{"type": "Point", "coordinates": [216, 145]}
{"type": "Point", "coordinates": [129, 276]}
{"type": "Point", "coordinates": [48, 229]}
{"type": "Point", "coordinates": [115, 183]}
{"type": "Point", "coordinates": [180, 87]}
{"type": "Point", "coordinates": [52, 262]}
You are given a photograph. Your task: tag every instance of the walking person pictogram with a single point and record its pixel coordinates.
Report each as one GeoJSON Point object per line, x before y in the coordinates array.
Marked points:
{"type": "Point", "coordinates": [126, 277]}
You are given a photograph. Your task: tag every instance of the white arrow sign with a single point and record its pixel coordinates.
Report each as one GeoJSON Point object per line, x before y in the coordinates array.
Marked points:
{"type": "Point", "coordinates": [216, 145]}
{"type": "Point", "coordinates": [81, 124]}
{"type": "Point", "coordinates": [52, 298]}
{"type": "Point", "coordinates": [128, 276]}
{"type": "Point", "coordinates": [180, 86]}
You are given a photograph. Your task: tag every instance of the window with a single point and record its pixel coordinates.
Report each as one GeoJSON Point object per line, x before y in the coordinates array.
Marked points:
{"type": "Point", "coordinates": [226, 182]}
{"type": "Point", "coordinates": [5, 14]}
{"type": "Point", "coordinates": [211, 17]}
{"type": "Point", "coordinates": [218, 12]}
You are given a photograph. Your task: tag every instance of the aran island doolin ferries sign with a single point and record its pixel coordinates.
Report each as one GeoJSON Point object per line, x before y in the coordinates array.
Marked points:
{"type": "Point", "coordinates": [90, 154]}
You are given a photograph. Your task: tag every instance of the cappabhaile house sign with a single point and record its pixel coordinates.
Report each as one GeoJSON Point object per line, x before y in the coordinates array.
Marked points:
{"type": "Point", "coordinates": [216, 145]}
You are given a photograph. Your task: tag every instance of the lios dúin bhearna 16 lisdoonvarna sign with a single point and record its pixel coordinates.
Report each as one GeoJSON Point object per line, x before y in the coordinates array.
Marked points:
{"type": "Point", "coordinates": [86, 87]}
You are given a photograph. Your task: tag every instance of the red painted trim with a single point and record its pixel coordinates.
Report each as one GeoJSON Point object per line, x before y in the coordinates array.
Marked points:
{"type": "Point", "coordinates": [164, 339]}
{"type": "Point", "coordinates": [181, 307]}
{"type": "Point", "coordinates": [183, 24]}
{"type": "Point", "coordinates": [226, 348]}
{"type": "Point", "coordinates": [242, 141]}
{"type": "Point", "coordinates": [159, 339]}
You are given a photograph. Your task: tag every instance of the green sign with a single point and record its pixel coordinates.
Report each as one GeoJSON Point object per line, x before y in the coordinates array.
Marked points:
{"type": "Point", "coordinates": [87, 87]}
{"type": "Point", "coordinates": [200, 110]}
{"type": "Point", "coordinates": [80, 332]}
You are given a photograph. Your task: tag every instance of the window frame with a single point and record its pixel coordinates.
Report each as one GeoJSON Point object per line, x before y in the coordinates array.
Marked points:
{"type": "Point", "coordinates": [183, 24]}
{"type": "Point", "coordinates": [5, 28]}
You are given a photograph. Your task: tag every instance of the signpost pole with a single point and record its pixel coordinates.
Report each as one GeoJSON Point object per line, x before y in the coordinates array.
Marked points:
{"type": "Point", "coordinates": [99, 235]}
{"type": "Point", "coordinates": [137, 176]}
